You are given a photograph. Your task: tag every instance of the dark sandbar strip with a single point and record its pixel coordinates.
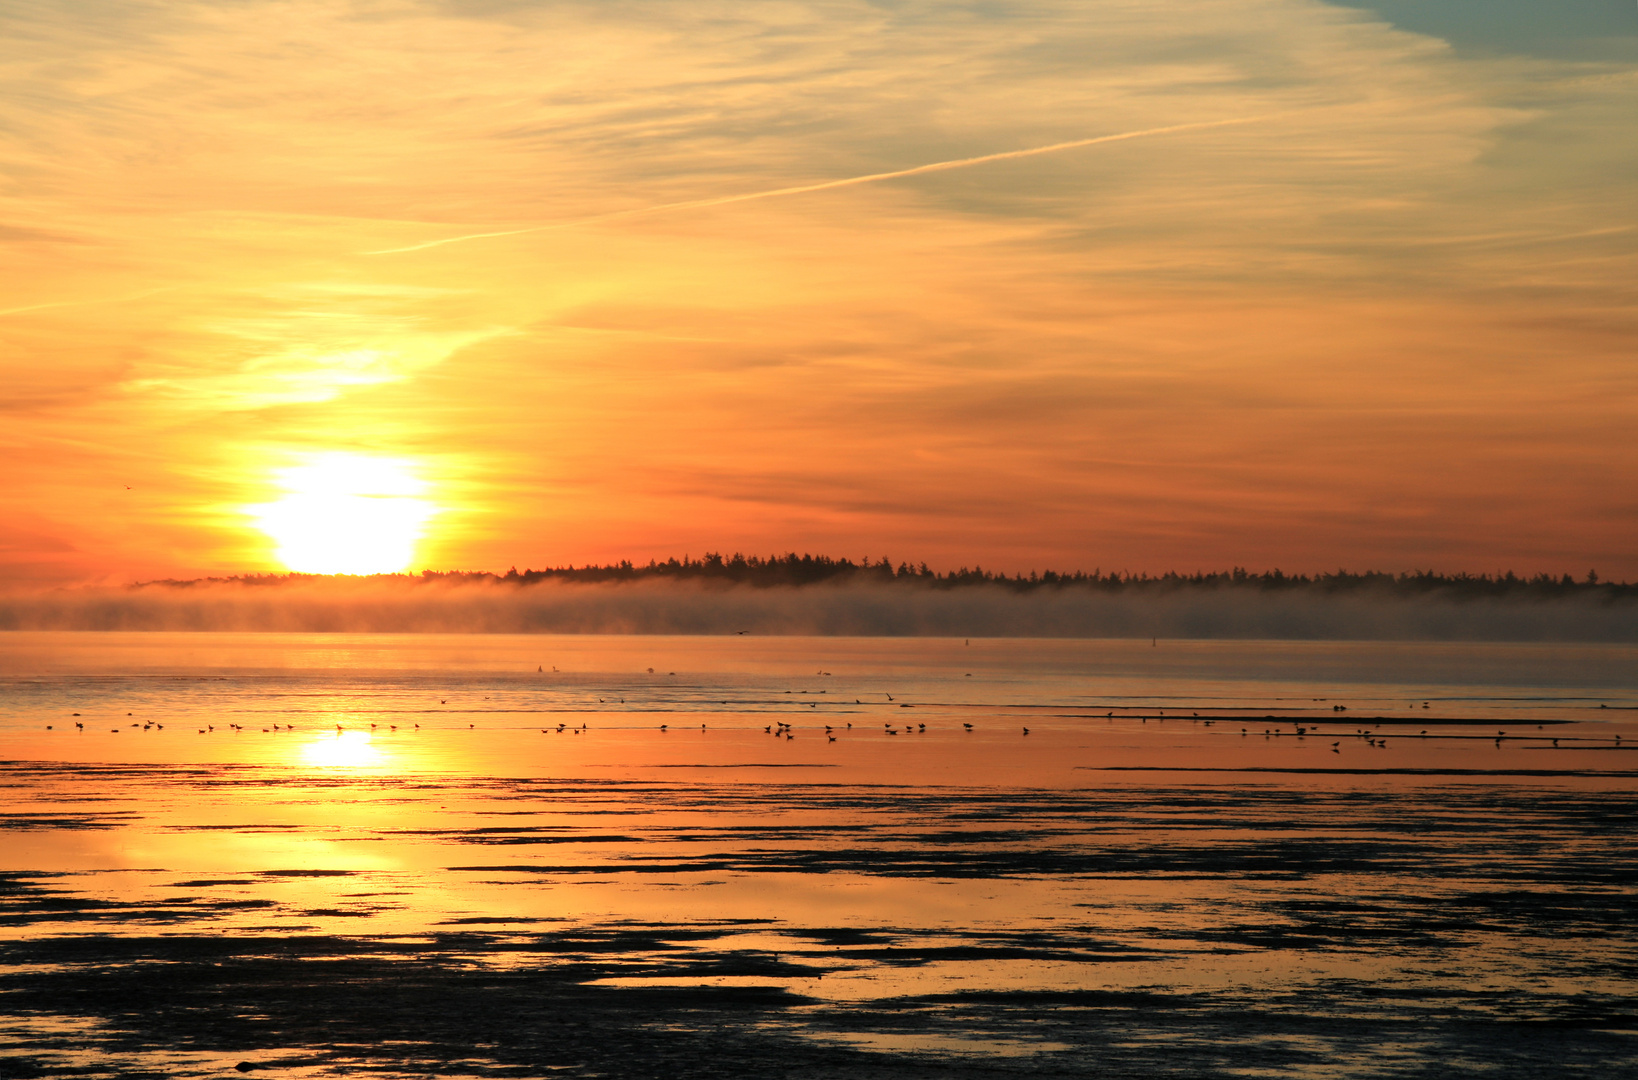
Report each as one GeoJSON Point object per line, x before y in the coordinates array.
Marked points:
{"type": "Point", "coordinates": [780, 765]}
{"type": "Point", "coordinates": [1363, 772]}
{"type": "Point", "coordinates": [1327, 720]}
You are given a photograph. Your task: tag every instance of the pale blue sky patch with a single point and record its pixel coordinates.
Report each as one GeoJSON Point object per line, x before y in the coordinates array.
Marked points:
{"type": "Point", "coordinates": [1562, 29]}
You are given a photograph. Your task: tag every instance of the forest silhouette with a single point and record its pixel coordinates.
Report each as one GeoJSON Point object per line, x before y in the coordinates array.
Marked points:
{"type": "Point", "coordinates": [794, 571]}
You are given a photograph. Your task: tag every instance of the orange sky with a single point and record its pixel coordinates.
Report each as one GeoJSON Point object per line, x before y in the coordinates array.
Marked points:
{"type": "Point", "coordinates": [1385, 320]}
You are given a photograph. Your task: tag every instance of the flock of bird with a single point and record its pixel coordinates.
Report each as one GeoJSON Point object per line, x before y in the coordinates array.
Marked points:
{"type": "Point", "coordinates": [145, 726]}
{"type": "Point", "coordinates": [784, 730]}
{"type": "Point", "coordinates": [778, 729]}
{"type": "Point", "coordinates": [209, 728]}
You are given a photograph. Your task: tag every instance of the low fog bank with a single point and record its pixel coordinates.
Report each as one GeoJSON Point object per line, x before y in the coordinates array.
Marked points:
{"type": "Point", "coordinates": [895, 610]}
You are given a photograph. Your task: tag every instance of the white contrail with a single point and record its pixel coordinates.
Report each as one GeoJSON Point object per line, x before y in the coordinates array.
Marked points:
{"type": "Point", "coordinates": [143, 295]}
{"type": "Point", "coordinates": [826, 185]}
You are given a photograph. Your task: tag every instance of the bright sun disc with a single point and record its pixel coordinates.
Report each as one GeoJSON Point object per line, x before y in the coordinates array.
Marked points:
{"type": "Point", "coordinates": [346, 514]}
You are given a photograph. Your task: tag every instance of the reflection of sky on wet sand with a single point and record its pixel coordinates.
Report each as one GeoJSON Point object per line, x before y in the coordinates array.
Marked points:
{"type": "Point", "coordinates": [937, 899]}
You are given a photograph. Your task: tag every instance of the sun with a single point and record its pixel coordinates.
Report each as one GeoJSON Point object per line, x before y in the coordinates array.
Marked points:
{"type": "Point", "coordinates": [346, 514]}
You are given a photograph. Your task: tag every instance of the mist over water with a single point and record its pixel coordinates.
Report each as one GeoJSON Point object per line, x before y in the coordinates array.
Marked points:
{"type": "Point", "coordinates": [386, 605]}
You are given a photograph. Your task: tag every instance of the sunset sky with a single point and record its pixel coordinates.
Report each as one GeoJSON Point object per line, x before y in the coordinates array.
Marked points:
{"type": "Point", "coordinates": [482, 283]}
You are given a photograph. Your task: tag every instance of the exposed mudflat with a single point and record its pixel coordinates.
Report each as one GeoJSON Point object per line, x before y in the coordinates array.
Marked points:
{"type": "Point", "coordinates": [637, 929]}
{"type": "Point", "coordinates": [1114, 894]}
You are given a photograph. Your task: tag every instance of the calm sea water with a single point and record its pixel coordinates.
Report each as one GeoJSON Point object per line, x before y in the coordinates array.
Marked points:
{"type": "Point", "coordinates": [324, 855]}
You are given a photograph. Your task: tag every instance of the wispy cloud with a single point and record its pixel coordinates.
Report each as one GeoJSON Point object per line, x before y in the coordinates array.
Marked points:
{"type": "Point", "coordinates": [1327, 290]}
{"type": "Point", "coordinates": [831, 185]}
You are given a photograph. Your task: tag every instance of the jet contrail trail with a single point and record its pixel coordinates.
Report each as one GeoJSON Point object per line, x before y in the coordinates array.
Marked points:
{"type": "Point", "coordinates": [826, 185]}
{"type": "Point", "coordinates": [143, 295]}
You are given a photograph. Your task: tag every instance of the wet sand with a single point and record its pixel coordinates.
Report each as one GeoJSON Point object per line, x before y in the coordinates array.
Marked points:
{"type": "Point", "coordinates": [1127, 890]}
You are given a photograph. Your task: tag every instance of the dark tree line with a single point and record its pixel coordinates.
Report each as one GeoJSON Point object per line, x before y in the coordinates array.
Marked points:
{"type": "Point", "coordinates": [792, 570]}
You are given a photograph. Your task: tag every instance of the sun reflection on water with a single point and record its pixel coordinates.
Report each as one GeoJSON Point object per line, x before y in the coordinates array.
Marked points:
{"type": "Point", "coordinates": [344, 749]}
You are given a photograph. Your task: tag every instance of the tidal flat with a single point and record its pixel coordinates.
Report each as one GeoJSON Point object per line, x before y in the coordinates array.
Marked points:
{"type": "Point", "coordinates": [497, 856]}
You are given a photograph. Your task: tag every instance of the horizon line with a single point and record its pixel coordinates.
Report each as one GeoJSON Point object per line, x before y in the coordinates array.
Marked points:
{"type": "Point", "coordinates": [715, 564]}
